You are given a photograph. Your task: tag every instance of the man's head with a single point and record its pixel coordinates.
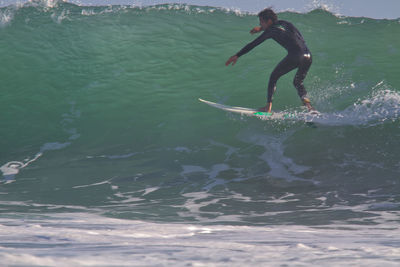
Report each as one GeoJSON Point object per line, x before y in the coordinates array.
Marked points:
{"type": "Point", "coordinates": [267, 17]}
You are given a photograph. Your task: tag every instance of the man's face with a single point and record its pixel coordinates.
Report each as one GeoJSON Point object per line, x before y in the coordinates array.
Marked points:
{"type": "Point", "coordinates": [264, 24]}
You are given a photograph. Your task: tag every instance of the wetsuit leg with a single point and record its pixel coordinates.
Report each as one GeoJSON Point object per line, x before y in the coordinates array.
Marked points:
{"type": "Point", "coordinates": [288, 64]}
{"type": "Point", "coordinates": [304, 66]}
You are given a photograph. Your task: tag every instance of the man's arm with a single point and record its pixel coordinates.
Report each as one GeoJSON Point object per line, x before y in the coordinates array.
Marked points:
{"type": "Point", "coordinates": [249, 46]}
{"type": "Point", "coordinates": [264, 36]}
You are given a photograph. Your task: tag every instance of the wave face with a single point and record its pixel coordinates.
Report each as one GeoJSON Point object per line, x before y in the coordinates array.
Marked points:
{"type": "Point", "coordinates": [99, 113]}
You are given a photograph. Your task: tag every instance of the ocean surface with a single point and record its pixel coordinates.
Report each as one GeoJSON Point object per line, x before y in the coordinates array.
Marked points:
{"type": "Point", "coordinates": [107, 157]}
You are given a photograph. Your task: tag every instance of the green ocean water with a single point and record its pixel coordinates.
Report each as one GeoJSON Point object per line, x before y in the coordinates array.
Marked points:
{"type": "Point", "coordinates": [99, 113]}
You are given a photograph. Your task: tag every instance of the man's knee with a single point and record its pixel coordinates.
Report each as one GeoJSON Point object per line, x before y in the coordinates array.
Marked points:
{"type": "Point", "coordinates": [276, 75]}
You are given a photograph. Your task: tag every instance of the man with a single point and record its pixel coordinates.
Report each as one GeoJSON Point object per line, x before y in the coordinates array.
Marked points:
{"type": "Point", "coordinates": [284, 33]}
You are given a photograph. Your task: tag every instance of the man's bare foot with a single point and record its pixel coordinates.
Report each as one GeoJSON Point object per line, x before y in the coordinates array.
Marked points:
{"type": "Point", "coordinates": [307, 103]}
{"type": "Point", "coordinates": [312, 110]}
{"type": "Point", "coordinates": [264, 109]}
{"type": "Point", "coordinates": [309, 107]}
{"type": "Point", "coordinates": [267, 108]}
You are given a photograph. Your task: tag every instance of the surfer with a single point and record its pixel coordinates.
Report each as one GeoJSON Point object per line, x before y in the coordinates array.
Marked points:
{"type": "Point", "coordinates": [285, 34]}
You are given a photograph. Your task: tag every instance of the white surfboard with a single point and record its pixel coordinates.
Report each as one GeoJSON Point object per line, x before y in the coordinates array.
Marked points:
{"type": "Point", "coordinates": [251, 112]}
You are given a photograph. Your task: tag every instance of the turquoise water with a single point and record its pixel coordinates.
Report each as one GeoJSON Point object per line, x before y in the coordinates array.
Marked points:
{"type": "Point", "coordinates": [100, 115]}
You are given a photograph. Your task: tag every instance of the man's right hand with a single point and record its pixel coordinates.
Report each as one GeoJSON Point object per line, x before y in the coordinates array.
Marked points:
{"type": "Point", "coordinates": [255, 30]}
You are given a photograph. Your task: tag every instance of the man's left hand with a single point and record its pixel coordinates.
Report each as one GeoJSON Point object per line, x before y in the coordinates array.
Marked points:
{"type": "Point", "coordinates": [232, 60]}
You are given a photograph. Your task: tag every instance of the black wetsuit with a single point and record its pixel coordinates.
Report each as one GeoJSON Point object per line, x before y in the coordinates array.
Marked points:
{"type": "Point", "coordinates": [284, 33]}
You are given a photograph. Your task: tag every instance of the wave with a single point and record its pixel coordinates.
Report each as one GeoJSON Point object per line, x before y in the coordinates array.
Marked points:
{"type": "Point", "coordinates": [99, 109]}
{"type": "Point", "coordinates": [373, 10]}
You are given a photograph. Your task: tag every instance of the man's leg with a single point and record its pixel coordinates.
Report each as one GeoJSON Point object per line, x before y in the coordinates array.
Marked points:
{"type": "Point", "coordinates": [301, 74]}
{"type": "Point", "coordinates": [286, 65]}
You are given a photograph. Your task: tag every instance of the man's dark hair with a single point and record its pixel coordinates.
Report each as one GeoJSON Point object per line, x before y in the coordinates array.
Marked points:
{"type": "Point", "coordinates": [267, 14]}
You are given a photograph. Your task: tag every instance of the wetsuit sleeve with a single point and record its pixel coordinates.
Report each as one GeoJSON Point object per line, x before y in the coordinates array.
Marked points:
{"type": "Point", "coordinates": [264, 36]}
